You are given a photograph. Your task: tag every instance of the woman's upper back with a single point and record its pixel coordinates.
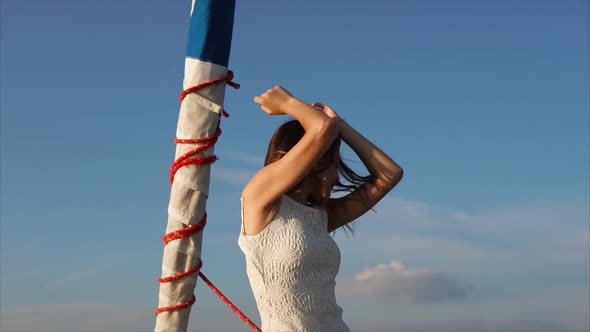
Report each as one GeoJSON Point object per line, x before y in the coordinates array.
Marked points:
{"type": "Point", "coordinates": [292, 265]}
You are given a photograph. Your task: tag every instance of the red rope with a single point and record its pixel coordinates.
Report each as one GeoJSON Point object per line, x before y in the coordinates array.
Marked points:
{"type": "Point", "coordinates": [229, 304]}
{"type": "Point", "coordinates": [176, 307]}
{"type": "Point", "coordinates": [182, 274]}
{"type": "Point", "coordinates": [208, 141]}
{"type": "Point", "coordinates": [192, 229]}
{"type": "Point", "coordinates": [227, 79]}
{"type": "Point", "coordinates": [186, 160]}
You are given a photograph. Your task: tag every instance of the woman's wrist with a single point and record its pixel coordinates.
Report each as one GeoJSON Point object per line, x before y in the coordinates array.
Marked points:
{"type": "Point", "coordinates": [343, 127]}
{"type": "Point", "coordinates": [290, 104]}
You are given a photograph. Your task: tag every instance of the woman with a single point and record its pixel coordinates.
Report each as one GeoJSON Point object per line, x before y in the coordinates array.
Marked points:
{"type": "Point", "coordinates": [287, 213]}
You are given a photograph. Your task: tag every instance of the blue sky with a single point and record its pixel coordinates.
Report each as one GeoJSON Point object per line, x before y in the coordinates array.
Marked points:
{"type": "Point", "coordinates": [484, 104]}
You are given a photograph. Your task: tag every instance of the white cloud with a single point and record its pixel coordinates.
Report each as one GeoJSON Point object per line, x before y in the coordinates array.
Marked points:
{"type": "Point", "coordinates": [532, 257]}
{"type": "Point", "coordinates": [506, 252]}
{"type": "Point", "coordinates": [394, 282]}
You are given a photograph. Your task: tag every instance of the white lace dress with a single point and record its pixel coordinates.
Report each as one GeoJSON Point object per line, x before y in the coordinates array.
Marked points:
{"type": "Point", "coordinates": [292, 265]}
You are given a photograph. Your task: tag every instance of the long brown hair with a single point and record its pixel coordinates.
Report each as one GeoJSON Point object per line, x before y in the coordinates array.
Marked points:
{"type": "Point", "coordinates": [285, 138]}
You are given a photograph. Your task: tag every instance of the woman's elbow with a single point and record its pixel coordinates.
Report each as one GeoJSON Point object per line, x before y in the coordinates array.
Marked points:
{"type": "Point", "coordinates": [328, 129]}
{"type": "Point", "coordinates": [399, 174]}
{"type": "Point", "coordinates": [391, 178]}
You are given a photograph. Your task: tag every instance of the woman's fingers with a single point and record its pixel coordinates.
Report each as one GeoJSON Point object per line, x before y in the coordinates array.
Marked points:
{"type": "Point", "coordinates": [319, 106]}
{"type": "Point", "coordinates": [326, 109]}
{"type": "Point", "coordinates": [273, 100]}
{"type": "Point", "coordinates": [260, 101]}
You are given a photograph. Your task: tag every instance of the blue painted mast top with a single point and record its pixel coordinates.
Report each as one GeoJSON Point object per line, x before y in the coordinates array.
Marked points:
{"type": "Point", "coordinates": [210, 31]}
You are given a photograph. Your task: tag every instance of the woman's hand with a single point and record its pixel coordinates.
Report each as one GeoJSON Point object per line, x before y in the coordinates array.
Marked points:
{"type": "Point", "coordinates": [326, 110]}
{"type": "Point", "coordinates": [274, 100]}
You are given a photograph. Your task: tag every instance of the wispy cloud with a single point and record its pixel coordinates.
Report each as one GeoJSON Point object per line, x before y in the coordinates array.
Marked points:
{"type": "Point", "coordinates": [394, 282]}
{"type": "Point", "coordinates": [537, 216]}
{"type": "Point", "coordinates": [541, 231]}
{"type": "Point", "coordinates": [412, 212]}
{"type": "Point", "coordinates": [77, 276]}
{"type": "Point", "coordinates": [237, 174]}
{"type": "Point", "coordinates": [87, 269]}
{"type": "Point", "coordinates": [11, 276]}
{"type": "Point", "coordinates": [78, 317]}
{"type": "Point", "coordinates": [251, 159]}
{"type": "Point", "coordinates": [232, 176]}
{"type": "Point", "coordinates": [469, 324]}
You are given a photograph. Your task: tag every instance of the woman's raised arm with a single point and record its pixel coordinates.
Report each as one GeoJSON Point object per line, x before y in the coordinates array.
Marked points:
{"type": "Point", "coordinates": [263, 191]}
{"type": "Point", "coordinates": [385, 174]}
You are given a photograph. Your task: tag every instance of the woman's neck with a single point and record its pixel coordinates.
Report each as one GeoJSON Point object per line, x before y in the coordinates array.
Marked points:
{"type": "Point", "coordinates": [311, 196]}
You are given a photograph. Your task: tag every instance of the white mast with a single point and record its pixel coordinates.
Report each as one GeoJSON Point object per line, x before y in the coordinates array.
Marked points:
{"type": "Point", "coordinates": [207, 58]}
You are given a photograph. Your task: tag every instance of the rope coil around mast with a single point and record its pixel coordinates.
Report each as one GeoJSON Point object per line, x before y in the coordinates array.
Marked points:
{"type": "Point", "coordinates": [186, 160]}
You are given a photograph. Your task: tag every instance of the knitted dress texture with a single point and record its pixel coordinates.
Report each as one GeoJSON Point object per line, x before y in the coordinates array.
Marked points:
{"type": "Point", "coordinates": [292, 265]}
